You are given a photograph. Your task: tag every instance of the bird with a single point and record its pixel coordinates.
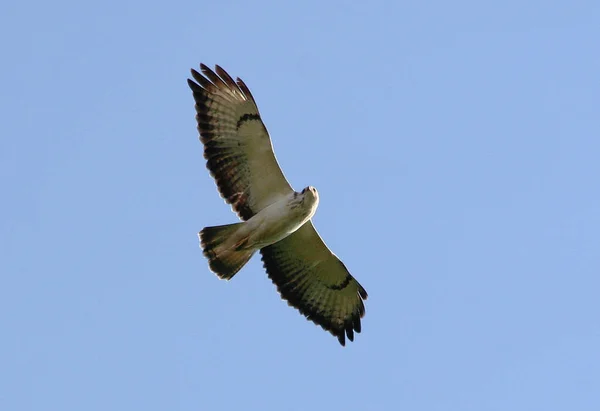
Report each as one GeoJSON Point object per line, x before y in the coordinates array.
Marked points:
{"type": "Point", "coordinates": [275, 219]}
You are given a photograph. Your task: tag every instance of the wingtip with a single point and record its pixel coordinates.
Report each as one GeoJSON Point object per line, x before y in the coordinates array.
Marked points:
{"type": "Point", "coordinates": [350, 333]}
{"type": "Point", "coordinates": [245, 89]}
{"type": "Point", "coordinates": [218, 68]}
{"type": "Point", "coordinates": [208, 72]}
{"type": "Point", "coordinates": [362, 292]}
{"type": "Point", "coordinates": [200, 80]}
{"type": "Point", "coordinates": [192, 84]}
{"type": "Point", "coordinates": [357, 326]}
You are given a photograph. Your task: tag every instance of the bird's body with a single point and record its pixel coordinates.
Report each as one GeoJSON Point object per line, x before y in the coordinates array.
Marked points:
{"type": "Point", "coordinates": [270, 225]}
{"type": "Point", "coordinates": [276, 219]}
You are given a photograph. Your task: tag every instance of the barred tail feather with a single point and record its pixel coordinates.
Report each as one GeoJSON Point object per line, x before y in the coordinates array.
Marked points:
{"type": "Point", "coordinates": [223, 262]}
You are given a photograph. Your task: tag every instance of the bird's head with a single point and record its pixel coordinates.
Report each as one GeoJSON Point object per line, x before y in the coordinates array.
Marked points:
{"type": "Point", "coordinates": [311, 195]}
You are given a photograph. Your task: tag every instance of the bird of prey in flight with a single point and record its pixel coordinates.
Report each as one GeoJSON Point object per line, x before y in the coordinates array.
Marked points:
{"type": "Point", "coordinates": [276, 220]}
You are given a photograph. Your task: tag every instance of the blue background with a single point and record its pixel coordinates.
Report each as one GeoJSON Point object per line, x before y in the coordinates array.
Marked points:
{"type": "Point", "coordinates": [455, 147]}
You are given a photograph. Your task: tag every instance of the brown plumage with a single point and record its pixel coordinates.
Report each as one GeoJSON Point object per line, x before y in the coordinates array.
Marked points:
{"type": "Point", "coordinates": [240, 157]}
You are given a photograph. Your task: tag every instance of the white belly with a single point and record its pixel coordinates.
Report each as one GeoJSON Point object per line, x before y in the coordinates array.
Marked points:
{"type": "Point", "coordinates": [276, 222]}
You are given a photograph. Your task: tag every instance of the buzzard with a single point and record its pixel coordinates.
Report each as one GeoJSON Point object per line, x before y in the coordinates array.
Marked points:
{"type": "Point", "coordinates": [275, 218]}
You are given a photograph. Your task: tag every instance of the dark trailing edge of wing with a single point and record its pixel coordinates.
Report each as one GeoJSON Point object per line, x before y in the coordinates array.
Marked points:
{"type": "Point", "coordinates": [293, 296]}
{"type": "Point", "coordinates": [207, 84]}
{"type": "Point", "coordinates": [215, 126]}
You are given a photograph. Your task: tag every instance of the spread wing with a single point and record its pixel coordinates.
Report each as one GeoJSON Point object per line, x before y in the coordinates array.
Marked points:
{"type": "Point", "coordinates": [237, 147]}
{"type": "Point", "coordinates": [312, 279]}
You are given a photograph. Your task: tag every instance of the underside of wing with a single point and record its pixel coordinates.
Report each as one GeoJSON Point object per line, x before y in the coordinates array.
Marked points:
{"type": "Point", "coordinates": [237, 146]}
{"type": "Point", "coordinates": [316, 282]}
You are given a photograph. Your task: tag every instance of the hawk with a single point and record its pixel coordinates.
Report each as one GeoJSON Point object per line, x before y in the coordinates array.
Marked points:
{"type": "Point", "coordinates": [276, 220]}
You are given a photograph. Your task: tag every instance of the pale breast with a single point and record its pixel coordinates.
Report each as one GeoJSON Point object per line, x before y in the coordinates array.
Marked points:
{"type": "Point", "coordinates": [278, 220]}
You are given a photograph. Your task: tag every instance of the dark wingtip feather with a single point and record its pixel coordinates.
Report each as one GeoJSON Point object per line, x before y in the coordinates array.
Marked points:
{"type": "Point", "coordinates": [357, 325]}
{"type": "Point", "coordinates": [202, 81]}
{"type": "Point", "coordinates": [226, 77]}
{"type": "Point", "coordinates": [362, 292]}
{"type": "Point", "coordinates": [350, 331]}
{"type": "Point", "coordinates": [204, 68]}
{"type": "Point", "coordinates": [245, 89]}
{"type": "Point", "coordinates": [195, 74]}
{"type": "Point", "coordinates": [194, 86]}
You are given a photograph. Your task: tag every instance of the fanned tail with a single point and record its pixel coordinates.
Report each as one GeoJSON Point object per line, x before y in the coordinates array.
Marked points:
{"type": "Point", "coordinates": [223, 262]}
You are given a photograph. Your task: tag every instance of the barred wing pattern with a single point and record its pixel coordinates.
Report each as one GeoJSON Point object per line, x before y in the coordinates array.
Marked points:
{"type": "Point", "coordinates": [240, 157]}
{"type": "Point", "coordinates": [312, 279]}
{"type": "Point", "coordinates": [237, 146]}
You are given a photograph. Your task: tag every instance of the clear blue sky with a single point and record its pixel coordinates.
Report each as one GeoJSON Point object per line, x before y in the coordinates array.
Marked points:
{"type": "Point", "coordinates": [456, 149]}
